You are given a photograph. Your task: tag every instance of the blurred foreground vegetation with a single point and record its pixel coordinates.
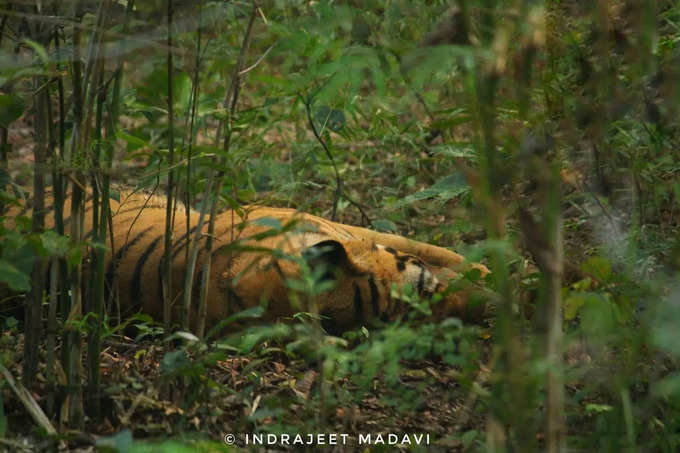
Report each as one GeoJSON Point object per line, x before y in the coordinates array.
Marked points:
{"type": "Point", "coordinates": [541, 138]}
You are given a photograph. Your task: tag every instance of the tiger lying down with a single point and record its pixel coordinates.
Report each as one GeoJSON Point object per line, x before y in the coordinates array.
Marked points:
{"type": "Point", "coordinates": [370, 269]}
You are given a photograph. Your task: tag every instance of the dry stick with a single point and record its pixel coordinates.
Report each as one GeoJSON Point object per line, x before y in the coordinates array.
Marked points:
{"type": "Point", "coordinates": [257, 63]}
{"type": "Point", "coordinates": [166, 279]}
{"type": "Point", "coordinates": [29, 403]}
{"type": "Point", "coordinates": [230, 100]}
{"type": "Point", "coordinates": [15, 446]}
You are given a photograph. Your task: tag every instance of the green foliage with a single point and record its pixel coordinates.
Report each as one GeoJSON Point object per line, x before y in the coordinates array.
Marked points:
{"type": "Point", "coordinates": [485, 124]}
{"type": "Point", "coordinates": [11, 108]}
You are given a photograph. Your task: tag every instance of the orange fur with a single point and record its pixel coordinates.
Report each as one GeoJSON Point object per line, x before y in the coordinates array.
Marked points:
{"type": "Point", "coordinates": [369, 267]}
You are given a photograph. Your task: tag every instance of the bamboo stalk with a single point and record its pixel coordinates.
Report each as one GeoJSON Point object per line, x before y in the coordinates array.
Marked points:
{"type": "Point", "coordinates": [230, 101]}
{"type": "Point", "coordinates": [53, 297]}
{"type": "Point", "coordinates": [34, 304]}
{"type": "Point", "coordinates": [83, 99]}
{"type": "Point", "coordinates": [166, 276]}
{"type": "Point", "coordinates": [97, 276]}
{"type": "Point", "coordinates": [190, 258]}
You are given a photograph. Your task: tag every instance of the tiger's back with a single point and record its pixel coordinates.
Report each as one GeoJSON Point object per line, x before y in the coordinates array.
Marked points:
{"type": "Point", "coordinates": [253, 262]}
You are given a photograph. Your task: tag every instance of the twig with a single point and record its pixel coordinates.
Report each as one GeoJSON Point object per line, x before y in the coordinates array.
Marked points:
{"type": "Point", "coordinates": [338, 180]}
{"type": "Point", "coordinates": [339, 192]}
{"type": "Point", "coordinates": [14, 445]}
{"type": "Point", "coordinates": [28, 401]}
{"type": "Point", "coordinates": [604, 209]}
{"type": "Point", "coordinates": [259, 60]}
{"type": "Point", "coordinates": [482, 377]}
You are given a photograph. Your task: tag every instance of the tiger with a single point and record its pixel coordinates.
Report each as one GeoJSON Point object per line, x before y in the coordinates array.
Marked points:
{"type": "Point", "coordinates": [256, 253]}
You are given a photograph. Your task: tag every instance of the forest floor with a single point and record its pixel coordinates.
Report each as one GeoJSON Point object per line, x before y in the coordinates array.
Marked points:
{"type": "Point", "coordinates": [138, 399]}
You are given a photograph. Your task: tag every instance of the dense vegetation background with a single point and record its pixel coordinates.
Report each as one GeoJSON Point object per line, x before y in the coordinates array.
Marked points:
{"type": "Point", "coordinates": [540, 137]}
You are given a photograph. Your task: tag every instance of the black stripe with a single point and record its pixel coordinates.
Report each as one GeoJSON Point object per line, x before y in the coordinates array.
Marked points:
{"type": "Point", "coordinates": [136, 290]}
{"type": "Point", "coordinates": [421, 280]}
{"type": "Point", "coordinates": [67, 219]}
{"type": "Point", "coordinates": [236, 299]}
{"type": "Point", "coordinates": [182, 242]}
{"type": "Point", "coordinates": [374, 296]}
{"type": "Point", "coordinates": [358, 305]}
{"type": "Point", "coordinates": [51, 207]}
{"type": "Point", "coordinates": [277, 267]}
{"type": "Point", "coordinates": [113, 264]}
{"type": "Point", "coordinates": [25, 208]}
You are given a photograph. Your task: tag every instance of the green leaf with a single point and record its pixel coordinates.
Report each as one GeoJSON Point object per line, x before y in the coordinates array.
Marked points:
{"type": "Point", "coordinates": [572, 305]}
{"type": "Point", "coordinates": [54, 244]}
{"type": "Point", "coordinates": [13, 277]}
{"type": "Point", "coordinates": [39, 49]}
{"type": "Point", "coordinates": [132, 141]}
{"type": "Point", "coordinates": [385, 225]}
{"type": "Point", "coordinates": [599, 267]}
{"type": "Point", "coordinates": [665, 322]}
{"type": "Point", "coordinates": [11, 108]}
{"type": "Point", "coordinates": [334, 119]}
{"type": "Point", "coordinates": [444, 188]}
{"type": "Point", "coordinates": [154, 90]}
{"type": "Point", "coordinates": [120, 442]}
{"type": "Point", "coordinates": [173, 361]}
{"type": "Point", "coordinates": [597, 316]}
{"type": "Point", "coordinates": [464, 150]}
{"type": "Point", "coordinates": [598, 408]}
{"type": "Point", "coordinates": [669, 386]}
{"type": "Point", "coordinates": [269, 222]}
{"type": "Point", "coordinates": [469, 437]}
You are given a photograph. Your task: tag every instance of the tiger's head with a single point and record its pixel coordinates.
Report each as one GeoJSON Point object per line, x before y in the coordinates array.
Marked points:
{"type": "Point", "coordinates": [374, 281]}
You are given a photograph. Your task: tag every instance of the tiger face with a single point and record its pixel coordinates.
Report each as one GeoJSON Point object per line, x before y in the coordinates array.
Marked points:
{"type": "Point", "coordinates": [369, 281]}
{"type": "Point", "coordinates": [374, 278]}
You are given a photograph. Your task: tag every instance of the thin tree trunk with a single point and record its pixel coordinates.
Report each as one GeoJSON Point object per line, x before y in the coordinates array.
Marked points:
{"type": "Point", "coordinates": [59, 283]}
{"type": "Point", "coordinates": [34, 303]}
{"type": "Point", "coordinates": [167, 252]}
{"type": "Point", "coordinates": [100, 222]}
{"type": "Point", "coordinates": [79, 144]}
{"type": "Point", "coordinates": [3, 159]}
{"type": "Point", "coordinates": [553, 340]}
{"type": "Point", "coordinates": [191, 252]}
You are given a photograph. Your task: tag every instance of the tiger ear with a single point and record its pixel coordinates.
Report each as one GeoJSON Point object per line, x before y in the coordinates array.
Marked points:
{"type": "Point", "coordinates": [331, 254]}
